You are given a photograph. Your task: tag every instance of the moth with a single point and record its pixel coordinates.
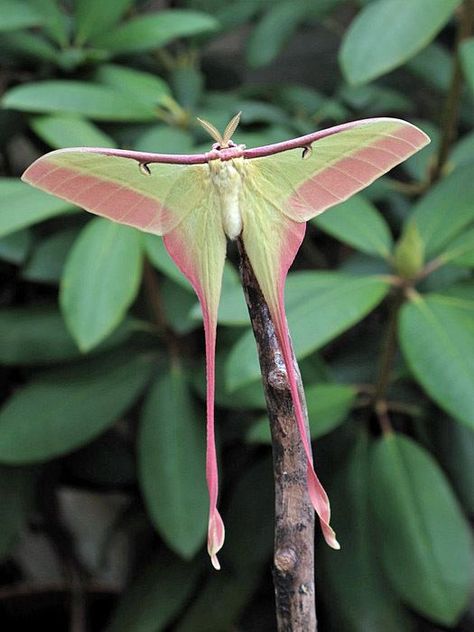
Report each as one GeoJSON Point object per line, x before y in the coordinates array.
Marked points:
{"type": "Point", "coordinates": [263, 195]}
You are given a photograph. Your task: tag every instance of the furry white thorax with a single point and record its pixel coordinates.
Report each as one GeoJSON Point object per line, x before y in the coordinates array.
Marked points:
{"type": "Point", "coordinates": [227, 180]}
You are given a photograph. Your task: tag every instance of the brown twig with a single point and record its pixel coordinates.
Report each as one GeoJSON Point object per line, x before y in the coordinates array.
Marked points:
{"type": "Point", "coordinates": [293, 571]}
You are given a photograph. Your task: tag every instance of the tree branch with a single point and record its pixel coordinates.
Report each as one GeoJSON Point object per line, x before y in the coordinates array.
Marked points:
{"type": "Point", "coordinates": [293, 571]}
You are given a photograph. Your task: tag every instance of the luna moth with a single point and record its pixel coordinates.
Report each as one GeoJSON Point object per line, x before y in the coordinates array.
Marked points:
{"type": "Point", "coordinates": [263, 195]}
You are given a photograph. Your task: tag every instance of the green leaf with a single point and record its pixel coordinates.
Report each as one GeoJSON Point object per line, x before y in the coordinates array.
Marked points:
{"type": "Point", "coordinates": [34, 335]}
{"type": "Point", "coordinates": [37, 335]}
{"type": "Point", "coordinates": [171, 463]}
{"type": "Point", "coordinates": [424, 540]}
{"type": "Point", "coordinates": [54, 21]}
{"type": "Point", "coordinates": [141, 86]}
{"type": "Point", "coordinates": [154, 30]}
{"type": "Point", "coordinates": [164, 140]}
{"type": "Point", "coordinates": [17, 486]}
{"type": "Point", "coordinates": [445, 210]}
{"type": "Point", "coordinates": [460, 251]}
{"type": "Point", "coordinates": [358, 223]}
{"type": "Point", "coordinates": [188, 85]}
{"type": "Point", "coordinates": [328, 406]}
{"type": "Point", "coordinates": [47, 260]}
{"type": "Point", "coordinates": [463, 151]}
{"type": "Point", "coordinates": [437, 338]}
{"type": "Point", "coordinates": [100, 280]}
{"type": "Point", "coordinates": [18, 15]}
{"type": "Point", "coordinates": [30, 45]}
{"type": "Point", "coordinates": [320, 306]}
{"type": "Point", "coordinates": [353, 576]}
{"type": "Point", "coordinates": [434, 66]}
{"type": "Point", "coordinates": [15, 247]}
{"type": "Point", "coordinates": [93, 101]}
{"type": "Point", "coordinates": [467, 58]}
{"type": "Point", "coordinates": [62, 130]}
{"type": "Point", "coordinates": [93, 18]}
{"type": "Point", "coordinates": [22, 205]}
{"type": "Point", "coordinates": [454, 446]}
{"type": "Point", "coordinates": [63, 410]}
{"type": "Point", "coordinates": [371, 49]}
{"type": "Point", "coordinates": [273, 31]}
{"type": "Point", "coordinates": [158, 594]}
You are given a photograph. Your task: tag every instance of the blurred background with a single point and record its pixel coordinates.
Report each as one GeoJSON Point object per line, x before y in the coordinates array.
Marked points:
{"type": "Point", "coordinates": [103, 505]}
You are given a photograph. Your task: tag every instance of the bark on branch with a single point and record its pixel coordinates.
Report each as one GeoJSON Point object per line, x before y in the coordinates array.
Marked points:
{"type": "Point", "coordinates": [293, 570]}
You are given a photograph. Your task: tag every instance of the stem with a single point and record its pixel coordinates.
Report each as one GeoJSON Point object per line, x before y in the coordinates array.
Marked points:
{"type": "Point", "coordinates": [453, 98]}
{"type": "Point", "coordinates": [293, 570]}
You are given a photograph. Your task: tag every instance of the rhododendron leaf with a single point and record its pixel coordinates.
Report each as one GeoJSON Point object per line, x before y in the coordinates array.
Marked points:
{"type": "Point", "coordinates": [263, 195]}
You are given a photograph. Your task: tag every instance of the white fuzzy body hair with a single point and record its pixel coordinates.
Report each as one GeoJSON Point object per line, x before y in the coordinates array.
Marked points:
{"type": "Point", "coordinates": [227, 180]}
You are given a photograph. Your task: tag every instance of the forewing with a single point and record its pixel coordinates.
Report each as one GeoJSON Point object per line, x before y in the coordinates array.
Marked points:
{"type": "Point", "coordinates": [198, 246]}
{"type": "Point", "coordinates": [153, 197]}
{"type": "Point", "coordinates": [271, 240]}
{"type": "Point", "coordinates": [328, 167]}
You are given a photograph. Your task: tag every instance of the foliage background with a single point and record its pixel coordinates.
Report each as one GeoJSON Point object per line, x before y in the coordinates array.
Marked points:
{"type": "Point", "coordinates": [103, 503]}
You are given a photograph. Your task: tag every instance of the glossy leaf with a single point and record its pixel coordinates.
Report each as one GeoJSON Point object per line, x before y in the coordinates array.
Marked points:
{"type": "Point", "coordinates": [62, 130]}
{"type": "Point", "coordinates": [64, 409]}
{"type": "Point", "coordinates": [18, 15]}
{"type": "Point", "coordinates": [328, 406]}
{"type": "Point", "coordinates": [445, 210]}
{"type": "Point", "coordinates": [156, 596]}
{"type": "Point", "coordinates": [424, 539]}
{"type": "Point", "coordinates": [460, 251]}
{"type": "Point", "coordinates": [171, 458]}
{"type": "Point", "coordinates": [93, 18]}
{"type": "Point", "coordinates": [100, 280]}
{"type": "Point", "coordinates": [154, 30]}
{"type": "Point", "coordinates": [325, 305]}
{"type": "Point", "coordinates": [141, 86]}
{"type": "Point", "coordinates": [353, 575]}
{"type": "Point", "coordinates": [274, 30]}
{"type": "Point", "coordinates": [358, 223]}
{"type": "Point", "coordinates": [22, 206]}
{"type": "Point", "coordinates": [437, 338]}
{"type": "Point", "coordinates": [93, 101]}
{"type": "Point", "coordinates": [164, 139]}
{"type": "Point", "coordinates": [371, 49]}
{"type": "Point", "coordinates": [54, 21]}
{"type": "Point", "coordinates": [34, 336]}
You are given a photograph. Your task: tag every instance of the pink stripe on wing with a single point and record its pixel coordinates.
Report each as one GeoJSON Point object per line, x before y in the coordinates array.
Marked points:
{"type": "Point", "coordinates": [102, 197]}
{"type": "Point", "coordinates": [351, 173]}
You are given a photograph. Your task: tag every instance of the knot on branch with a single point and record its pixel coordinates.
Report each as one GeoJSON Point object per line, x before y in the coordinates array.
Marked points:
{"type": "Point", "coordinates": [285, 560]}
{"type": "Point", "coordinates": [278, 378]}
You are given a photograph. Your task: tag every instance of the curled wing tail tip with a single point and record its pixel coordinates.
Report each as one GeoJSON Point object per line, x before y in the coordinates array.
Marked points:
{"type": "Point", "coordinates": [215, 537]}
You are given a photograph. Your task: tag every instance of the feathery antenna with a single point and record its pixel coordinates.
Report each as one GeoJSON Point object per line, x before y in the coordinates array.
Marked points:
{"type": "Point", "coordinates": [224, 139]}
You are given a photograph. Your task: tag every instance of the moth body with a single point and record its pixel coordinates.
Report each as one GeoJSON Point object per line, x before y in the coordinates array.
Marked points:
{"type": "Point", "coordinates": [227, 180]}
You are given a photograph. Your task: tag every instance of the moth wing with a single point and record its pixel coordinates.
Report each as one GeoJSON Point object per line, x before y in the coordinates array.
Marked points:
{"type": "Point", "coordinates": [154, 197]}
{"type": "Point", "coordinates": [330, 166]}
{"type": "Point", "coordinates": [271, 240]}
{"type": "Point", "coordinates": [198, 247]}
